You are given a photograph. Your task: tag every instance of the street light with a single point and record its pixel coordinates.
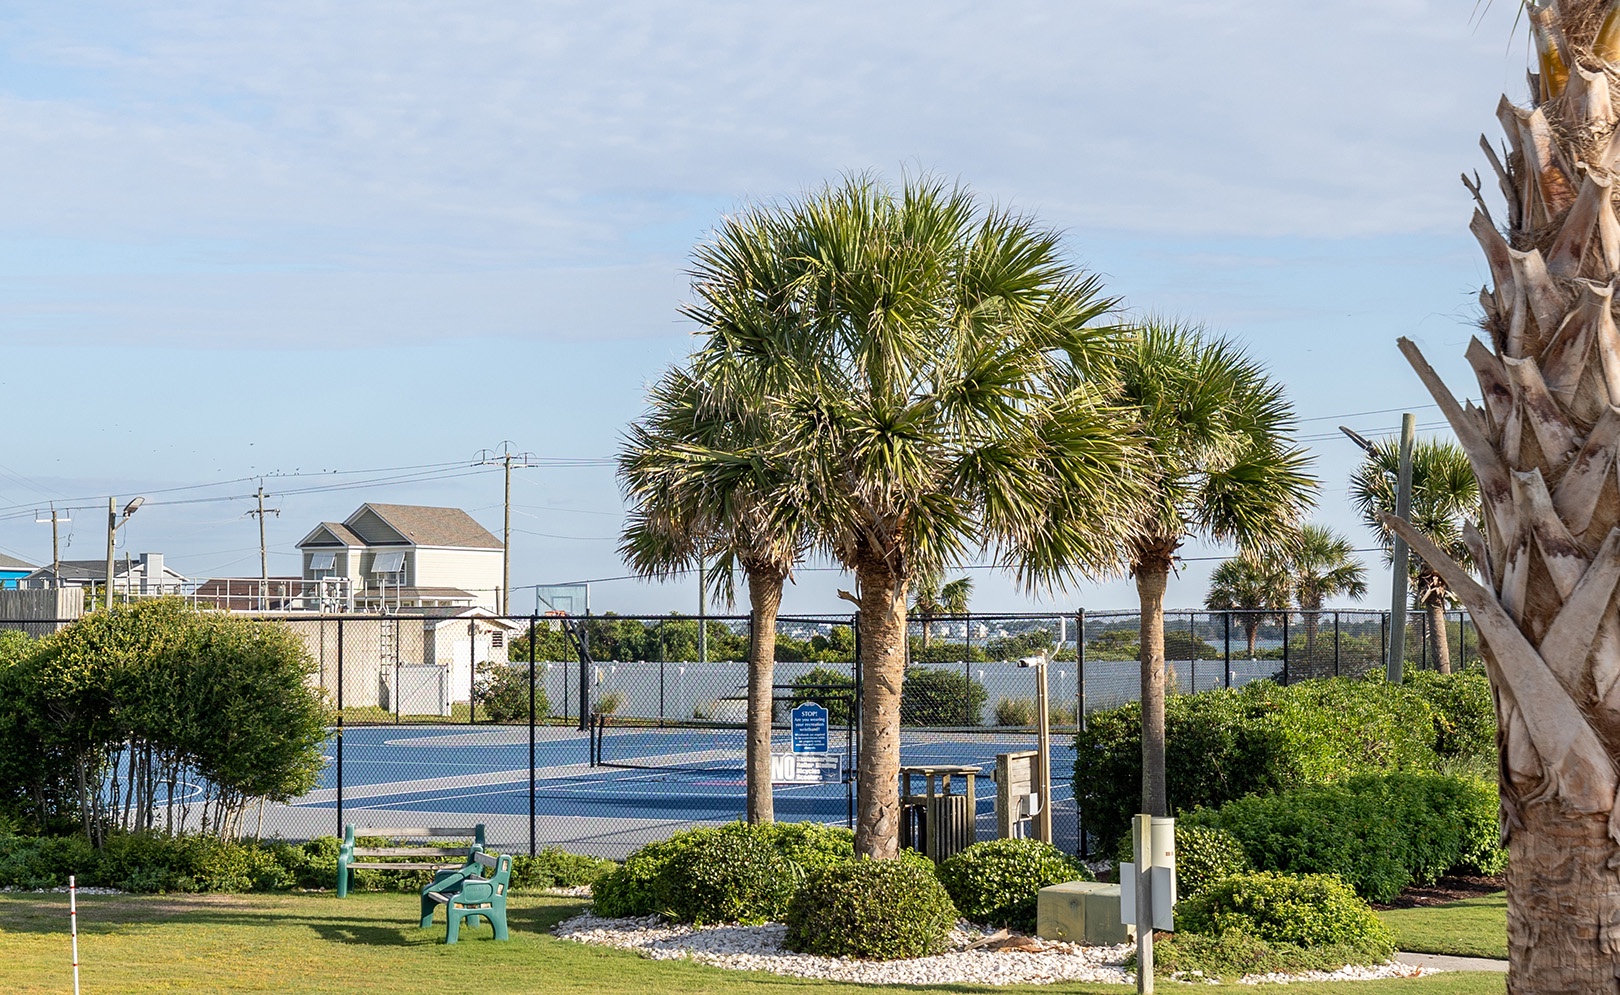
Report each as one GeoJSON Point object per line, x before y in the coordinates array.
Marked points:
{"type": "Point", "coordinates": [113, 522]}
{"type": "Point", "coordinates": [1395, 664]}
{"type": "Point", "coordinates": [1043, 748]}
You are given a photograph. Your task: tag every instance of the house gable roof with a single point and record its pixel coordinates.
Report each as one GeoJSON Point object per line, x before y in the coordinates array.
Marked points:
{"type": "Point", "coordinates": [422, 526]}
{"type": "Point", "coordinates": [330, 534]}
{"type": "Point", "coordinates": [12, 563]}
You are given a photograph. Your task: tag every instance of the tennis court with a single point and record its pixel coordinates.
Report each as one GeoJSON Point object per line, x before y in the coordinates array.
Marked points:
{"type": "Point", "coordinates": [457, 774]}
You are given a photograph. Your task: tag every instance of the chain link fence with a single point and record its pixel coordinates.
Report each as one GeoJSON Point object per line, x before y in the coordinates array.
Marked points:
{"type": "Point", "coordinates": [600, 733]}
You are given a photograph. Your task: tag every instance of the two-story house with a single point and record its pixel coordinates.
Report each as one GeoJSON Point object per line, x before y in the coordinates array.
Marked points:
{"type": "Point", "coordinates": [399, 556]}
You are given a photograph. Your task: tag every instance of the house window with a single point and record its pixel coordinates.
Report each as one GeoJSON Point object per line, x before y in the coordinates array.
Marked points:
{"type": "Point", "coordinates": [389, 568]}
{"type": "Point", "coordinates": [320, 565]}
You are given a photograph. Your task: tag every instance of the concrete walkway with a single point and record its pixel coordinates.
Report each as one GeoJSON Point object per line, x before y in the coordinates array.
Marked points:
{"type": "Point", "coordinates": [1441, 962]}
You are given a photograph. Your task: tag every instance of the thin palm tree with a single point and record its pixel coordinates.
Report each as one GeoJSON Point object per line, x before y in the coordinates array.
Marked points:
{"type": "Point", "coordinates": [1252, 586]}
{"type": "Point", "coordinates": [1543, 443]}
{"type": "Point", "coordinates": [1445, 502]}
{"type": "Point", "coordinates": [1221, 464]}
{"type": "Point", "coordinates": [930, 599]}
{"type": "Point", "coordinates": [685, 508]}
{"type": "Point", "coordinates": [930, 366]}
{"type": "Point", "coordinates": [1322, 565]}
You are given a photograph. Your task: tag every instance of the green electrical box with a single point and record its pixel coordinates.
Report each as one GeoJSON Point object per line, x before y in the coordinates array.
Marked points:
{"type": "Point", "coordinates": [1081, 912]}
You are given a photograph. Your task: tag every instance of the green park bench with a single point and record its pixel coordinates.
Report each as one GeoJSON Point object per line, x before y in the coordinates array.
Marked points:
{"type": "Point", "coordinates": [468, 894]}
{"type": "Point", "coordinates": [404, 858]}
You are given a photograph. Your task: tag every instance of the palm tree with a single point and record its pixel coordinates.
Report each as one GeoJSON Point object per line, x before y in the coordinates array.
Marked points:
{"type": "Point", "coordinates": [1543, 445]}
{"type": "Point", "coordinates": [685, 507]}
{"type": "Point", "coordinates": [1322, 566]}
{"type": "Point", "coordinates": [1221, 465]}
{"type": "Point", "coordinates": [929, 599]}
{"type": "Point", "coordinates": [1445, 500]}
{"type": "Point", "coordinates": [1252, 586]}
{"type": "Point", "coordinates": [930, 369]}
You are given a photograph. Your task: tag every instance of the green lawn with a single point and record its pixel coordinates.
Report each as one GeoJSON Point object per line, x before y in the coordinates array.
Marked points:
{"type": "Point", "coordinates": [1474, 927]}
{"type": "Point", "coordinates": [368, 943]}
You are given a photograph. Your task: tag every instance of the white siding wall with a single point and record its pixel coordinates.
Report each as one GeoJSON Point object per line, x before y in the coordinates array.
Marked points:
{"type": "Point", "coordinates": [475, 570]}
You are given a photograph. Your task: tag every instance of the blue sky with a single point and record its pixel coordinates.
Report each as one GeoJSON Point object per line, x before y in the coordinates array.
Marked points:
{"type": "Point", "coordinates": [299, 237]}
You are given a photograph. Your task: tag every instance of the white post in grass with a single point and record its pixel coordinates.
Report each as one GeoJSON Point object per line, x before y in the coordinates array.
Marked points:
{"type": "Point", "coordinates": [73, 928]}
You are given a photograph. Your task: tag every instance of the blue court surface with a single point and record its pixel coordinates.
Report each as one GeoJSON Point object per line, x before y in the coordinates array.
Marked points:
{"type": "Point", "coordinates": [697, 776]}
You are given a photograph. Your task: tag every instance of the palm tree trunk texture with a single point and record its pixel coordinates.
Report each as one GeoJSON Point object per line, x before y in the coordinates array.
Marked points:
{"type": "Point", "coordinates": [1439, 639]}
{"type": "Point", "coordinates": [883, 669]}
{"type": "Point", "coordinates": [1151, 580]}
{"type": "Point", "coordinates": [1543, 445]}
{"type": "Point", "coordinates": [765, 600]}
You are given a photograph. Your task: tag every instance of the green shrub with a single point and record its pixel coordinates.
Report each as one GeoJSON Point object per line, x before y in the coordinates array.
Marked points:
{"type": "Point", "coordinates": [1204, 855]}
{"type": "Point", "coordinates": [1310, 911]}
{"type": "Point", "coordinates": [878, 909]}
{"type": "Point", "coordinates": [1378, 832]}
{"type": "Point", "coordinates": [1226, 744]}
{"type": "Point", "coordinates": [502, 693]}
{"type": "Point", "coordinates": [932, 697]}
{"type": "Point", "coordinates": [1231, 955]}
{"type": "Point", "coordinates": [832, 689]}
{"type": "Point", "coordinates": [46, 861]}
{"type": "Point", "coordinates": [726, 877]}
{"type": "Point", "coordinates": [997, 881]}
{"type": "Point", "coordinates": [636, 888]}
{"type": "Point", "coordinates": [1015, 712]}
{"type": "Point", "coordinates": [555, 868]}
{"type": "Point", "coordinates": [1464, 712]}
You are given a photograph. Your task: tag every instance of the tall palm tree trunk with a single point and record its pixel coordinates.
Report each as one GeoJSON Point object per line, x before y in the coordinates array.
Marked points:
{"type": "Point", "coordinates": [883, 670]}
{"type": "Point", "coordinates": [1439, 639]}
{"type": "Point", "coordinates": [1152, 578]}
{"type": "Point", "coordinates": [764, 601]}
{"type": "Point", "coordinates": [1564, 917]}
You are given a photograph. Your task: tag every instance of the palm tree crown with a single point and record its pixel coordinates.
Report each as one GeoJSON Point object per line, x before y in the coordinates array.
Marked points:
{"type": "Point", "coordinates": [928, 367]}
{"type": "Point", "coordinates": [1253, 586]}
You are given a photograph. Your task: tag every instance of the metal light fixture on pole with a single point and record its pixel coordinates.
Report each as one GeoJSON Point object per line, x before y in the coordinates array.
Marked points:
{"type": "Point", "coordinates": [113, 522]}
{"type": "Point", "coordinates": [1394, 664]}
{"type": "Point", "coordinates": [1043, 748]}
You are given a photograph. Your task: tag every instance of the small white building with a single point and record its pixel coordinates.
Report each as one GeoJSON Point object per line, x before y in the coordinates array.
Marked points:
{"type": "Point", "coordinates": [401, 556]}
{"type": "Point", "coordinates": [144, 578]}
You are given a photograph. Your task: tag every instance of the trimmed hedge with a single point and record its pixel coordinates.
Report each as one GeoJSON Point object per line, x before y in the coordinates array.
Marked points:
{"type": "Point", "coordinates": [1262, 738]}
{"type": "Point", "coordinates": [726, 877]}
{"type": "Point", "coordinates": [878, 909]}
{"type": "Point", "coordinates": [998, 881]}
{"type": "Point", "coordinates": [643, 885]}
{"type": "Point", "coordinates": [1232, 955]}
{"type": "Point", "coordinates": [1464, 711]}
{"type": "Point", "coordinates": [1378, 832]}
{"type": "Point", "coordinates": [155, 862]}
{"type": "Point", "coordinates": [1204, 855]}
{"type": "Point", "coordinates": [1308, 911]}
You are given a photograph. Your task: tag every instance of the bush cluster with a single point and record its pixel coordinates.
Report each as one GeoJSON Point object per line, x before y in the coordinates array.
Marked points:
{"type": "Point", "coordinates": [1204, 855]}
{"type": "Point", "coordinates": [1464, 712]}
{"type": "Point", "coordinates": [943, 697]}
{"type": "Point", "coordinates": [1379, 833]}
{"type": "Point", "coordinates": [1314, 910]}
{"type": "Point", "coordinates": [878, 909]}
{"type": "Point", "coordinates": [1264, 738]}
{"type": "Point", "coordinates": [998, 881]}
{"type": "Point", "coordinates": [501, 693]}
{"type": "Point", "coordinates": [651, 879]}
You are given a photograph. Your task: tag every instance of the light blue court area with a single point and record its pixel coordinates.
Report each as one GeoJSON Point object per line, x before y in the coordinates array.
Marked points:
{"type": "Point", "coordinates": [458, 775]}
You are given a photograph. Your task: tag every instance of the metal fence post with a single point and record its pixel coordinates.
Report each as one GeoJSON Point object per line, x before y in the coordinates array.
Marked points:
{"type": "Point", "coordinates": [1285, 649]}
{"type": "Point", "coordinates": [1383, 638]}
{"type": "Point", "coordinates": [1228, 655]}
{"type": "Point", "coordinates": [1335, 644]}
{"type": "Point", "coordinates": [339, 751]}
{"type": "Point", "coordinates": [1080, 667]}
{"type": "Point", "coordinates": [533, 718]}
{"type": "Point", "coordinates": [472, 671]}
{"type": "Point", "coordinates": [584, 635]}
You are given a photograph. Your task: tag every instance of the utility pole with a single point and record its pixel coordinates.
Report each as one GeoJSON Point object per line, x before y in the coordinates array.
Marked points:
{"type": "Point", "coordinates": [113, 522]}
{"type": "Point", "coordinates": [56, 550]}
{"type": "Point", "coordinates": [507, 459]}
{"type": "Point", "coordinates": [703, 610]}
{"type": "Point", "coordinates": [1398, 580]}
{"type": "Point", "coordinates": [264, 557]}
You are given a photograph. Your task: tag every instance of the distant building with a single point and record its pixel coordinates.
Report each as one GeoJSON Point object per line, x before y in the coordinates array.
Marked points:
{"type": "Point", "coordinates": [400, 556]}
{"type": "Point", "coordinates": [12, 570]}
{"type": "Point", "coordinates": [146, 577]}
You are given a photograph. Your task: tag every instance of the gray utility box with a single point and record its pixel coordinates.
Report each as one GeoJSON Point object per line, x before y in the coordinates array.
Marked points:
{"type": "Point", "coordinates": [1081, 912]}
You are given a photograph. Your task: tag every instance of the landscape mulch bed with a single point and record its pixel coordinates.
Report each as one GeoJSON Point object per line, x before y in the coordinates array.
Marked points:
{"type": "Point", "coordinates": [1453, 888]}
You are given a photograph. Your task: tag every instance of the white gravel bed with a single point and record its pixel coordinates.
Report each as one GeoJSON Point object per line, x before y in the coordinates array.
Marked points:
{"type": "Point", "coordinates": [61, 890]}
{"type": "Point", "coordinates": [759, 948]}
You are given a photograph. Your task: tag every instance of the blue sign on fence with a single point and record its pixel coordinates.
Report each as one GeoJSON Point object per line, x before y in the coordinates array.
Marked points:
{"type": "Point", "coordinates": [809, 728]}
